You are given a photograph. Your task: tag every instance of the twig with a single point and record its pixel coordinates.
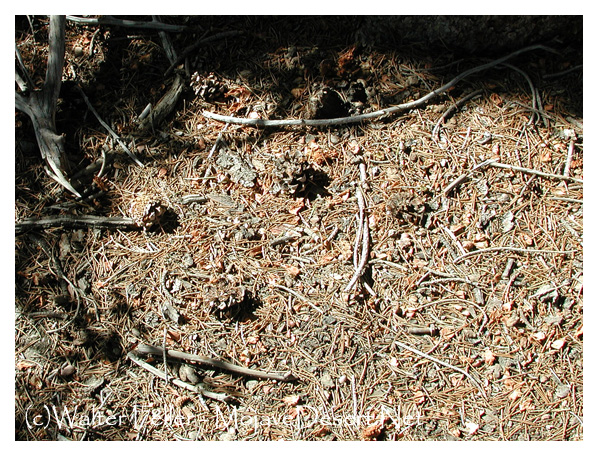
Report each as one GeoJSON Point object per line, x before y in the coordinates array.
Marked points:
{"type": "Point", "coordinates": [109, 20]}
{"type": "Point", "coordinates": [510, 249]}
{"type": "Point", "coordinates": [569, 158]}
{"type": "Point", "coordinates": [166, 42]}
{"type": "Point", "coordinates": [76, 222]}
{"type": "Point", "coordinates": [108, 129]}
{"type": "Point", "coordinates": [147, 349]}
{"type": "Point", "coordinates": [445, 364]}
{"type": "Point", "coordinates": [157, 372]}
{"type": "Point", "coordinates": [536, 106]}
{"type": "Point", "coordinates": [456, 105]}
{"type": "Point", "coordinates": [164, 356]}
{"type": "Point", "coordinates": [562, 73]}
{"type": "Point", "coordinates": [188, 50]}
{"type": "Point", "coordinates": [365, 252]}
{"type": "Point", "coordinates": [533, 172]}
{"type": "Point", "coordinates": [460, 179]}
{"type": "Point", "coordinates": [375, 114]}
{"type": "Point", "coordinates": [218, 140]}
{"type": "Point", "coordinates": [361, 212]}
{"type": "Point", "coordinates": [28, 80]}
{"type": "Point", "coordinates": [298, 295]}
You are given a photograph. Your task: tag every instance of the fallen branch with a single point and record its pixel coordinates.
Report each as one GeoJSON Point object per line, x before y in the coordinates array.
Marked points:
{"type": "Point", "coordinates": [530, 171]}
{"type": "Point", "coordinates": [109, 20]}
{"type": "Point", "coordinates": [159, 373]}
{"type": "Point", "coordinates": [445, 364]}
{"type": "Point", "coordinates": [365, 240]}
{"type": "Point", "coordinates": [108, 129]}
{"type": "Point", "coordinates": [165, 105]}
{"type": "Point", "coordinates": [375, 114]}
{"type": "Point", "coordinates": [510, 249]}
{"type": "Point", "coordinates": [147, 349]}
{"type": "Point", "coordinates": [86, 221]}
{"type": "Point", "coordinates": [189, 49]}
{"type": "Point", "coordinates": [362, 236]}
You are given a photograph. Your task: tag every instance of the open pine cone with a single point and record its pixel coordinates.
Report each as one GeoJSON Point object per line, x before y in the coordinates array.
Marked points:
{"type": "Point", "coordinates": [146, 211]}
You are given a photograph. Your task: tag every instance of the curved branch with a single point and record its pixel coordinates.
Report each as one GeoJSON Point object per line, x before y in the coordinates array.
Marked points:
{"type": "Point", "coordinates": [375, 114]}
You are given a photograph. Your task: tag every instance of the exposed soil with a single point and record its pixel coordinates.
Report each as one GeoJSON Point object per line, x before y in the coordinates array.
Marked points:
{"type": "Point", "coordinates": [466, 320]}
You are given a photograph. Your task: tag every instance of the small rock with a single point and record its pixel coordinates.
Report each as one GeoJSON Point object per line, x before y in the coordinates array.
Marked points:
{"type": "Point", "coordinates": [562, 391]}
{"type": "Point", "coordinates": [67, 370]}
{"type": "Point", "coordinates": [188, 261]}
{"type": "Point", "coordinates": [77, 51]}
{"type": "Point", "coordinates": [547, 294]}
{"type": "Point", "coordinates": [327, 382]}
{"type": "Point", "coordinates": [251, 385]}
{"type": "Point", "coordinates": [188, 374]}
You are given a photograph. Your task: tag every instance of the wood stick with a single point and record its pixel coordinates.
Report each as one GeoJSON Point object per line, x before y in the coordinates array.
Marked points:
{"type": "Point", "coordinates": [108, 129]}
{"type": "Point", "coordinates": [456, 105]}
{"type": "Point", "coordinates": [445, 364]}
{"type": "Point", "coordinates": [147, 349]}
{"type": "Point", "coordinates": [84, 221]}
{"type": "Point", "coordinates": [188, 50]}
{"type": "Point", "coordinates": [109, 20]}
{"type": "Point", "coordinates": [159, 373]}
{"type": "Point", "coordinates": [533, 172]}
{"type": "Point", "coordinates": [510, 249]}
{"type": "Point", "coordinates": [375, 114]}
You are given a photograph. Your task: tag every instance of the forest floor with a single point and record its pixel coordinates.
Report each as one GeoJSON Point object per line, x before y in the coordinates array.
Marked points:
{"type": "Point", "coordinates": [420, 274]}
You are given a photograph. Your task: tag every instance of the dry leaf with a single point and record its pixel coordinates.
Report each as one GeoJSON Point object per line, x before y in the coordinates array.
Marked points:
{"type": "Point", "coordinates": [455, 432]}
{"type": "Point", "coordinates": [292, 270]}
{"type": "Point", "coordinates": [252, 339]}
{"type": "Point", "coordinates": [496, 99]}
{"type": "Point", "coordinates": [298, 205]}
{"type": "Point", "coordinates": [24, 365]}
{"type": "Point", "coordinates": [545, 156]}
{"type": "Point", "coordinates": [526, 404]}
{"type": "Point", "coordinates": [419, 397]}
{"type": "Point", "coordinates": [489, 357]}
{"type": "Point", "coordinates": [372, 432]}
{"type": "Point", "coordinates": [292, 400]}
{"type": "Point", "coordinates": [516, 393]}
{"type": "Point", "coordinates": [321, 431]}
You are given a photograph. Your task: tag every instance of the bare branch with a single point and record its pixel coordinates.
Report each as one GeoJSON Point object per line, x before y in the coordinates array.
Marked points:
{"type": "Point", "coordinates": [109, 20]}
{"type": "Point", "coordinates": [375, 114]}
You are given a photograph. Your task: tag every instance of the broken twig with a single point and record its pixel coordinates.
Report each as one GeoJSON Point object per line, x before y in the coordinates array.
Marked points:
{"type": "Point", "coordinates": [147, 349]}
{"type": "Point", "coordinates": [84, 221]}
{"type": "Point", "coordinates": [108, 129]}
{"type": "Point", "coordinates": [160, 374]}
{"type": "Point", "coordinates": [368, 116]}
{"type": "Point", "coordinates": [445, 364]}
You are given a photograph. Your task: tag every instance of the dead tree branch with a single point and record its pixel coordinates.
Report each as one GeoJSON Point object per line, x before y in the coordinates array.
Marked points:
{"type": "Point", "coordinates": [369, 116]}
{"type": "Point", "coordinates": [40, 106]}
